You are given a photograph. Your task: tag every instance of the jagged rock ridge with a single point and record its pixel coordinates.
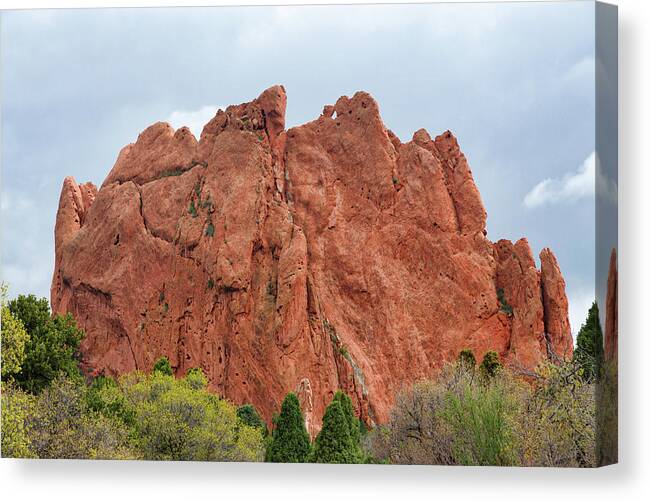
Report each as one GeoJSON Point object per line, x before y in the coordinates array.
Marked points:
{"type": "Point", "coordinates": [327, 256]}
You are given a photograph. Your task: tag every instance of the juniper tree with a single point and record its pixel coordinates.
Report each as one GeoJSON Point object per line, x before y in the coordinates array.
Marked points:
{"type": "Point", "coordinates": [589, 345]}
{"type": "Point", "coordinates": [333, 444]}
{"type": "Point", "coordinates": [290, 442]}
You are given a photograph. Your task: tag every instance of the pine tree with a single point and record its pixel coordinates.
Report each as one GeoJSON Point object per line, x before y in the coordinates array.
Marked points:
{"type": "Point", "coordinates": [589, 345]}
{"type": "Point", "coordinates": [290, 442]}
{"type": "Point", "coordinates": [333, 444]}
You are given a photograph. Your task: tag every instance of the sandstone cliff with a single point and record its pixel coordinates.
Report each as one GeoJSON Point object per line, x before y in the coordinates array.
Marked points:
{"type": "Point", "coordinates": [327, 256]}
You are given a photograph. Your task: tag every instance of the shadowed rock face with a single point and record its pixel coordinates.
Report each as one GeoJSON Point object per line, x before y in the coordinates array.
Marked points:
{"type": "Point", "coordinates": [327, 256]}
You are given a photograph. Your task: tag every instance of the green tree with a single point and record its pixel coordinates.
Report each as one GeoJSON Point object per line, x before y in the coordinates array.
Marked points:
{"type": "Point", "coordinates": [53, 345]}
{"type": "Point", "coordinates": [290, 441]}
{"type": "Point", "coordinates": [250, 417]}
{"type": "Point", "coordinates": [589, 345]}
{"type": "Point", "coordinates": [353, 423]}
{"type": "Point", "coordinates": [490, 364]}
{"type": "Point", "coordinates": [333, 444]}
{"type": "Point", "coordinates": [163, 366]}
{"type": "Point", "coordinates": [14, 339]}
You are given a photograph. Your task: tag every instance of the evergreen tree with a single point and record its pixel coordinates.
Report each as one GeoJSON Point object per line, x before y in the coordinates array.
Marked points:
{"type": "Point", "coordinates": [353, 423]}
{"type": "Point", "coordinates": [163, 366]}
{"type": "Point", "coordinates": [467, 360]}
{"type": "Point", "coordinates": [290, 442]}
{"type": "Point", "coordinates": [589, 345]}
{"type": "Point", "coordinates": [250, 417]}
{"type": "Point", "coordinates": [490, 364]}
{"type": "Point", "coordinates": [333, 443]}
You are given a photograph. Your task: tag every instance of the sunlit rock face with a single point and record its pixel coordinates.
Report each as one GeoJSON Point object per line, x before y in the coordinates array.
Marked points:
{"type": "Point", "coordinates": [330, 255]}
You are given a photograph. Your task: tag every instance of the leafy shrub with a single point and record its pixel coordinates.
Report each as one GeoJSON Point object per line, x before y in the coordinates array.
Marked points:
{"type": "Point", "coordinates": [505, 307]}
{"type": "Point", "coordinates": [250, 417]}
{"type": "Point", "coordinates": [498, 420]}
{"type": "Point", "coordinates": [52, 346]}
{"type": "Point", "coordinates": [490, 364]}
{"type": "Point", "coordinates": [163, 366]}
{"type": "Point", "coordinates": [17, 407]}
{"type": "Point", "coordinates": [175, 420]}
{"type": "Point", "coordinates": [14, 339]}
{"type": "Point", "coordinates": [466, 360]}
{"type": "Point", "coordinates": [210, 230]}
{"type": "Point", "coordinates": [62, 426]}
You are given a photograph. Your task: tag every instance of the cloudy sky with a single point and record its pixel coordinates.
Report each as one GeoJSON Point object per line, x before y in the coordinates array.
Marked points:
{"type": "Point", "coordinates": [513, 81]}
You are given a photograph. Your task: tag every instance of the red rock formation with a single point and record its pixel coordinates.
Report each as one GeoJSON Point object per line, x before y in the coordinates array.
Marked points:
{"type": "Point", "coordinates": [327, 256]}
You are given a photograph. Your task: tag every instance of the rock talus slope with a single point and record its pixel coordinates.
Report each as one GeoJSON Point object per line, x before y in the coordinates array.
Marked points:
{"type": "Point", "coordinates": [330, 255]}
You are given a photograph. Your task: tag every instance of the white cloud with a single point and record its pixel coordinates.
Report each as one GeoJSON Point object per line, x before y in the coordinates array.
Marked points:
{"type": "Point", "coordinates": [193, 119]}
{"type": "Point", "coordinates": [572, 186]}
{"type": "Point", "coordinates": [579, 301]}
{"type": "Point", "coordinates": [606, 187]}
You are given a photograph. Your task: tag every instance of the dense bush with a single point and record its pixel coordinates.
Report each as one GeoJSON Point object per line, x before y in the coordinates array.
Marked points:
{"type": "Point", "coordinates": [14, 339]}
{"type": "Point", "coordinates": [52, 347]}
{"type": "Point", "coordinates": [465, 418]}
{"type": "Point", "coordinates": [250, 417]}
{"type": "Point", "coordinates": [163, 366]}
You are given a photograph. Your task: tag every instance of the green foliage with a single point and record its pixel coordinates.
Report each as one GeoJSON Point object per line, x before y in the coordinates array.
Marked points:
{"type": "Point", "coordinates": [14, 339]}
{"type": "Point", "coordinates": [589, 345]}
{"type": "Point", "coordinates": [52, 347]}
{"type": "Point", "coordinates": [490, 364]}
{"type": "Point", "coordinates": [479, 417]}
{"type": "Point", "coordinates": [505, 307]}
{"type": "Point", "coordinates": [105, 397]}
{"type": "Point", "coordinates": [17, 407]}
{"type": "Point", "coordinates": [466, 360]}
{"type": "Point", "coordinates": [62, 426]}
{"type": "Point", "coordinates": [210, 230]}
{"type": "Point", "coordinates": [196, 379]}
{"type": "Point", "coordinates": [192, 209]}
{"type": "Point", "coordinates": [349, 413]}
{"type": "Point", "coordinates": [334, 444]}
{"type": "Point", "coordinates": [163, 366]}
{"type": "Point", "coordinates": [171, 172]}
{"type": "Point", "coordinates": [290, 441]}
{"type": "Point", "coordinates": [462, 419]}
{"type": "Point", "coordinates": [558, 420]}
{"type": "Point", "coordinates": [177, 421]}
{"type": "Point", "coordinates": [250, 417]}
{"type": "Point", "coordinates": [211, 283]}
